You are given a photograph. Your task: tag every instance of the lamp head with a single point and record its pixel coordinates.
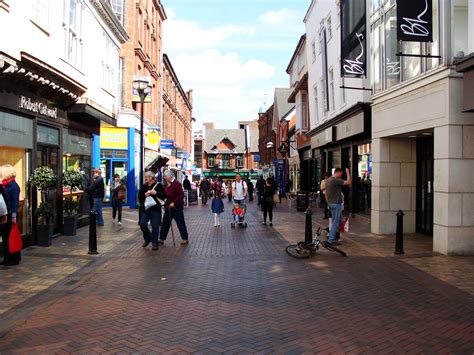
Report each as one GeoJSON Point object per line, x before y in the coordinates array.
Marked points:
{"type": "Point", "coordinates": [269, 145]}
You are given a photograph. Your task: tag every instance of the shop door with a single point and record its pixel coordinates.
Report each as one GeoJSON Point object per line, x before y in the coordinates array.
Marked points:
{"type": "Point", "coordinates": [424, 188]}
{"type": "Point", "coordinates": [109, 168]}
{"type": "Point", "coordinates": [49, 156]}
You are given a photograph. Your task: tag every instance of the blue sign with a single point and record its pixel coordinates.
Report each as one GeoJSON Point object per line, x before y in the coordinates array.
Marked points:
{"type": "Point", "coordinates": [167, 144]}
{"type": "Point", "coordinates": [256, 158]}
{"type": "Point", "coordinates": [370, 164]}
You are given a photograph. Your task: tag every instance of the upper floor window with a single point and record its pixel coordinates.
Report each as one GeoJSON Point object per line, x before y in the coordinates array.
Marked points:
{"type": "Point", "coordinates": [304, 112]}
{"type": "Point", "coordinates": [110, 61]}
{"type": "Point", "coordinates": [331, 90]}
{"type": "Point", "coordinates": [72, 24]}
{"type": "Point", "coordinates": [329, 27]}
{"type": "Point", "coordinates": [117, 6]}
{"type": "Point", "coordinates": [40, 12]}
{"type": "Point", "coordinates": [316, 104]}
{"type": "Point", "coordinates": [313, 50]}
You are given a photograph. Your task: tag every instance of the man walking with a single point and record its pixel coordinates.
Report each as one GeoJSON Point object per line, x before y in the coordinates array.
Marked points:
{"type": "Point", "coordinates": [260, 185]}
{"type": "Point", "coordinates": [97, 190]}
{"type": "Point", "coordinates": [239, 189]}
{"type": "Point", "coordinates": [173, 208]}
{"type": "Point", "coordinates": [334, 198]}
{"type": "Point", "coordinates": [205, 188]}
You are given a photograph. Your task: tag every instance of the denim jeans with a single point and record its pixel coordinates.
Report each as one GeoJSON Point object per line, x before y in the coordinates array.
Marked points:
{"type": "Point", "coordinates": [153, 215]}
{"type": "Point", "coordinates": [97, 209]}
{"type": "Point", "coordinates": [240, 202]}
{"type": "Point", "coordinates": [336, 212]}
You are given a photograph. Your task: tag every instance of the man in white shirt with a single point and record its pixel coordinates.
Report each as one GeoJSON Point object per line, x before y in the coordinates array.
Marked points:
{"type": "Point", "coordinates": [239, 189]}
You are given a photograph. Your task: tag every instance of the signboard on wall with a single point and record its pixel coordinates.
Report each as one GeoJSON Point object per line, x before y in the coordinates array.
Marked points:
{"type": "Point", "coordinates": [113, 138]}
{"type": "Point", "coordinates": [415, 20]}
{"type": "Point", "coordinates": [152, 140]}
{"type": "Point", "coordinates": [353, 38]}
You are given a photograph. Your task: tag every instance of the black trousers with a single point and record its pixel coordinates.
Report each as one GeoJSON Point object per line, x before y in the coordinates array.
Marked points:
{"type": "Point", "coordinates": [178, 215]}
{"type": "Point", "coordinates": [267, 209]}
{"type": "Point", "coordinates": [117, 207]}
{"type": "Point", "coordinates": [8, 258]}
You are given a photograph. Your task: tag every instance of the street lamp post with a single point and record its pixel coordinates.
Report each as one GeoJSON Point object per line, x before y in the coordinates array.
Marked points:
{"type": "Point", "coordinates": [143, 87]}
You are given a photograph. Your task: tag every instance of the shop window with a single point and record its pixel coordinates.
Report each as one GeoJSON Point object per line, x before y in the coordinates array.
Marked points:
{"type": "Point", "coordinates": [375, 48]}
{"type": "Point", "coordinates": [411, 65]}
{"type": "Point", "coordinates": [47, 135]}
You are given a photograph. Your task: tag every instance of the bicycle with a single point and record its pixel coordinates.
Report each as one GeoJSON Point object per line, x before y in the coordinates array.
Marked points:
{"type": "Point", "coordinates": [304, 250]}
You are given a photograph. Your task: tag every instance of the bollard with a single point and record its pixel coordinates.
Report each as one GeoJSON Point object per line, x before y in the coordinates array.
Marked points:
{"type": "Point", "coordinates": [399, 236]}
{"type": "Point", "coordinates": [308, 231]}
{"type": "Point", "coordinates": [92, 234]}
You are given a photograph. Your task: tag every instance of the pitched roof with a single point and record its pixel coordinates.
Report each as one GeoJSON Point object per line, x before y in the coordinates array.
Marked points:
{"type": "Point", "coordinates": [215, 136]}
{"type": "Point", "coordinates": [281, 104]}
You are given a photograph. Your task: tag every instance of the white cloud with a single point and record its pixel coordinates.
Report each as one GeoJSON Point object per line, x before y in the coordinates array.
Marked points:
{"type": "Point", "coordinates": [278, 17]}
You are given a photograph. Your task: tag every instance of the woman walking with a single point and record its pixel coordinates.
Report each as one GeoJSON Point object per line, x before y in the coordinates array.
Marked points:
{"type": "Point", "coordinates": [118, 196]}
{"type": "Point", "coordinates": [11, 195]}
{"type": "Point", "coordinates": [151, 210]}
{"type": "Point", "coordinates": [267, 201]}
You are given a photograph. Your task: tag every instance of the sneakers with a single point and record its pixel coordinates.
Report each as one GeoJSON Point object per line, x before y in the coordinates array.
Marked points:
{"type": "Point", "coordinates": [120, 223]}
{"type": "Point", "coordinates": [113, 220]}
{"type": "Point", "coordinates": [264, 223]}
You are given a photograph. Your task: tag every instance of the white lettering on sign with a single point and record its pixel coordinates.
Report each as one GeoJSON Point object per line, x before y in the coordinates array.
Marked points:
{"type": "Point", "coordinates": [415, 27]}
{"type": "Point", "coordinates": [38, 107]}
{"type": "Point", "coordinates": [355, 66]}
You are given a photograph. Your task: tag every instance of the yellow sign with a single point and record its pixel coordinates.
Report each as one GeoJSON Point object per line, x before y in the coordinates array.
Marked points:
{"type": "Point", "coordinates": [113, 138]}
{"type": "Point", "coordinates": [153, 138]}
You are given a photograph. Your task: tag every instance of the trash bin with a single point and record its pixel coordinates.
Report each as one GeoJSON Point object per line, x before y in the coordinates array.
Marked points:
{"type": "Point", "coordinates": [192, 197]}
{"type": "Point", "coordinates": [302, 200]}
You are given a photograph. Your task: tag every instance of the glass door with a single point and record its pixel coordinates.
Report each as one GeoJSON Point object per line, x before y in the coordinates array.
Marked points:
{"type": "Point", "coordinates": [424, 188]}
{"type": "Point", "coordinates": [109, 168]}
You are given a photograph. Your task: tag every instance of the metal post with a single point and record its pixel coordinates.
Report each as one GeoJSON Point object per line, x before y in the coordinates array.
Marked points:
{"type": "Point", "coordinates": [308, 231]}
{"type": "Point", "coordinates": [142, 151]}
{"type": "Point", "coordinates": [399, 236]}
{"type": "Point", "coordinates": [92, 234]}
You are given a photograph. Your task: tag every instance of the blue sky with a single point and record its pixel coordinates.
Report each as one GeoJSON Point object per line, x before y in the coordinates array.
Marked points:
{"type": "Point", "coordinates": [232, 53]}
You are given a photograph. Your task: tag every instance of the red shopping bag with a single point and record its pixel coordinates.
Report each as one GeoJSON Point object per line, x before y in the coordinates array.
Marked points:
{"type": "Point", "coordinates": [344, 225]}
{"type": "Point", "coordinates": [14, 242]}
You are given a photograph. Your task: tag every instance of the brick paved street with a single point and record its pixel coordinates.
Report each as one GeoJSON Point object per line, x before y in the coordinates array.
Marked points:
{"type": "Point", "coordinates": [237, 291]}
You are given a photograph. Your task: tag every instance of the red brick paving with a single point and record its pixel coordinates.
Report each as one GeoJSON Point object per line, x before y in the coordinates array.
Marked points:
{"type": "Point", "coordinates": [236, 291]}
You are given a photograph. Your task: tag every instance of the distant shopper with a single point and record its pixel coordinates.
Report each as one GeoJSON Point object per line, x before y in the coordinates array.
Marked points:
{"type": "Point", "coordinates": [324, 202]}
{"type": "Point", "coordinates": [229, 191]}
{"type": "Point", "coordinates": [151, 212]}
{"type": "Point", "coordinates": [217, 208]}
{"type": "Point", "coordinates": [10, 192]}
{"type": "Point", "coordinates": [250, 189]}
{"type": "Point", "coordinates": [118, 197]}
{"type": "Point", "coordinates": [205, 187]}
{"type": "Point", "coordinates": [334, 199]}
{"type": "Point", "coordinates": [270, 189]}
{"type": "Point", "coordinates": [186, 183]}
{"type": "Point", "coordinates": [260, 185]}
{"type": "Point", "coordinates": [97, 190]}
{"type": "Point", "coordinates": [239, 189]}
{"type": "Point", "coordinates": [173, 208]}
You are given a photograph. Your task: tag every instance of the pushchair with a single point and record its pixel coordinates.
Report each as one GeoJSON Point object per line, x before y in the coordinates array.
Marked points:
{"type": "Point", "coordinates": [238, 216]}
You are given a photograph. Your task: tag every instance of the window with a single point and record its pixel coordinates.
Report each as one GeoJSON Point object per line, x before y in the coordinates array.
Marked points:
{"type": "Point", "coordinates": [323, 96]}
{"type": "Point", "coordinates": [109, 62]}
{"type": "Point", "coordinates": [40, 12]}
{"type": "Point", "coordinates": [239, 161]}
{"type": "Point", "coordinates": [117, 6]}
{"type": "Point", "coordinates": [392, 62]}
{"type": "Point", "coordinates": [460, 30]}
{"type": "Point", "coordinates": [72, 24]}
{"type": "Point", "coordinates": [211, 161]}
{"type": "Point", "coordinates": [331, 90]}
{"type": "Point", "coordinates": [225, 161]}
{"type": "Point", "coordinates": [313, 50]}
{"type": "Point", "coordinates": [304, 111]}
{"type": "Point", "coordinates": [329, 27]}
{"type": "Point", "coordinates": [376, 49]}
{"type": "Point", "coordinates": [316, 105]}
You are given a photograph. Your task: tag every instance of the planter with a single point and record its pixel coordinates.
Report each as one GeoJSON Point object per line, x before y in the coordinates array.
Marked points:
{"type": "Point", "coordinates": [70, 225]}
{"type": "Point", "coordinates": [44, 234]}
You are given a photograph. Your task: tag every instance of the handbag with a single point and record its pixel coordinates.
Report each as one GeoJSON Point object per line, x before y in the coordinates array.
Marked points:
{"type": "Point", "coordinates": [15, 242]}
{"type": "Point", "coordinates": [150, 201]}
{"type": "Point", "coordinates": [276, 199]}
{"type": "Point", "coordinates": [121, 193]}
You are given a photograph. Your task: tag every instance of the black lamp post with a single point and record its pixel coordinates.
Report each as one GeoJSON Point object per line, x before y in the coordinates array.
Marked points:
{"type": "Point", "coordinates": [143, 87]}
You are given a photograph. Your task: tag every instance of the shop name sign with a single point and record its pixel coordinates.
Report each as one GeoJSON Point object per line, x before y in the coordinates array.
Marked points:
{"type": "Point", "coordinates": [38, 107]}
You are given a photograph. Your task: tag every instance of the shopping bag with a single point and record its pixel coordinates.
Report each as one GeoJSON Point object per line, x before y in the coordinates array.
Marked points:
{"type": "Point", "coordinates": [14, 242]}
{"type": "Point", "coordinates": [276, 199]}
{"type": "Point", "coordinates": [344, 225]}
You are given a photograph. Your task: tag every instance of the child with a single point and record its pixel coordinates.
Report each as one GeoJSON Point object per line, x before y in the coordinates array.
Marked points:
{"type": "Point", "coordinates": [217, 208]}
{"type": "Point", "coordinates": [238, 212]}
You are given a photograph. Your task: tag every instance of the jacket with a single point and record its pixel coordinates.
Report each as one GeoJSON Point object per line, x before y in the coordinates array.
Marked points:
{"type": "Point", "coordinates": [175, 194]}
{"type": "Point", "coordinates": [97, 188]}
{"type": "Point", "coordinates": [11, 194]}
{"type": "Point", "coordinates": [160, 193]}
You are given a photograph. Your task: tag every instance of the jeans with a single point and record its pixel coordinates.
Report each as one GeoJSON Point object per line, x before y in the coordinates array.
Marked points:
{"type": "Point", "coordinates": [117, 207]}
{"type": "Point", "coordinates": [153, 214]}
{"type": "Point", "coordinates": [178, 215]}
{"type": "Point", "coordinates": [240, 202]}
{"type": "Point", "coordinates": [336, 212]}
{"type": "Point", "coordinates": [97, 209]}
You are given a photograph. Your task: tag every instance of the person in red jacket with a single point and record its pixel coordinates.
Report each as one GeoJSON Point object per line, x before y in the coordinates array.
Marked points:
{"type": "Point", "coordinates": [173, 208]}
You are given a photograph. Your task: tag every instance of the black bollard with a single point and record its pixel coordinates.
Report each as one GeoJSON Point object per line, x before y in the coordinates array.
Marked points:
{"type": "Point", "coordinates": [92, 234]}
{"type": "Point", "coordinates": [399, 236]}
{"type": "Point", "coordinates": [308, 231]}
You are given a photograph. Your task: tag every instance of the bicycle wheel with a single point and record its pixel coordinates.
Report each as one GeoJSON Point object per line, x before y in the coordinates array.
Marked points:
{"type": "Point", "coordinates": [298, 251]}
{"type": "Point", "coordinates": [333, 249]}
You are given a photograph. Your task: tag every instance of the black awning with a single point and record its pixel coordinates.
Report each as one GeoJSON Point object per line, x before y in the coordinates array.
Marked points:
{"type": "Point", "coordinates": [88, 110]}
{"type": "Point", "coordinates": [156, 164]}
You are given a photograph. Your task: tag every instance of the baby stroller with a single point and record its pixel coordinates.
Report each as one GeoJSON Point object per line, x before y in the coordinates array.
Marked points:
{"type": "Point", "coordinates": [238, 216]}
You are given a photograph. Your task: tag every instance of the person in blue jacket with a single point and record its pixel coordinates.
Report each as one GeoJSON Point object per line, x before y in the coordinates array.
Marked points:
{"type": "Point", "coordinates": [217, 208]}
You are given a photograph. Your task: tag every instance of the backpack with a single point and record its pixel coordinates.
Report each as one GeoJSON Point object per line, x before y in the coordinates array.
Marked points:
{"type": "Point", "coordinates": [3, 206]}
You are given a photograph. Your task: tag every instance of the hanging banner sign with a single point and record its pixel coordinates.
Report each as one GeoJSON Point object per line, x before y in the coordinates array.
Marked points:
{"type": "Point", "coordinates": [353, 38]}
{"type": "Point", "coordinates": [415, 20]}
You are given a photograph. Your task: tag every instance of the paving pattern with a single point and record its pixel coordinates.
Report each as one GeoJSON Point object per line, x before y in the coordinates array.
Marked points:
{"type": "Point", "coordinates": [236, 291]}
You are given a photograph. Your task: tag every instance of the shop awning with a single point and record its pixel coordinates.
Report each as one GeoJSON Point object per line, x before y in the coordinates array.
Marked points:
{"type": "Point", "coordinates": [157, 163]}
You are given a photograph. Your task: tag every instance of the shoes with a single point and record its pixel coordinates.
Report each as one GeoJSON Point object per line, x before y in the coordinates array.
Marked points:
{"type": "Point", "coordinates": [113, 220]}
{"type": "Point", "coordinates": [271, 224]}
{"type": "Point", "coordinates": [155, 247]}
{"type": "Point", "coordinates": [161, 241]}
{"type": "Point", "coordinates": [327, 243]}
{"type": "Point", "coordinates": [120, 223]}
{"type": "Point", "coordinates": [145, 244]}
{"type": "Point", "coordinates": [185, 242]}
{"type": "Point", "coordinates": [100, 225]}
{"type": "Point", "coordinates": [215, 225]}
{"type": "Point", "coordinates": [264, 223]}
{"type": "Point", "coordinates": [326, 218]}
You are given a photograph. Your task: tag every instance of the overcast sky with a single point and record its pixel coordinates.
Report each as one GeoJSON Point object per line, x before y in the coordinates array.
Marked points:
{"type": "Point", "coordinates": [232, 53]}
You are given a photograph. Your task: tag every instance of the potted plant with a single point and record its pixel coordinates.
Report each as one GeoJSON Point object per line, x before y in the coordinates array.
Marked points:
{"type": "Point", "coordinates": [43, 179]}
{"type": "Point", "coordinates": [72, 180]}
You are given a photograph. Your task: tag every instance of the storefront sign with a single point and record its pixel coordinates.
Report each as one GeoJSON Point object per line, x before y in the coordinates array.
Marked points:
{"type": "Point", "coordinates": [113, 138]}
{"type": "Point", "coordinates": [152, 140]}
{"type": "Point", "coordinates": [15, 131]}
{"type": "Point", "coordinates": [353, 38]}
{"type": "Point", "coordinates": [415, 20]}
{"type": "Point", "coordinates": [350, 127]}
{"type": "Point", "coordinates": [322, 138]}
{"type": "Point", "coordinates": [167, 144]}
{"type": "Point", "coordinates": [76, 143]}
{"type": "Point", "coordinates": [37, 107]}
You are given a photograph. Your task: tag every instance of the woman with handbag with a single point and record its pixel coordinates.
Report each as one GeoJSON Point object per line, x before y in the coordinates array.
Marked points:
{"type": "Point", "coordinates": [11, 195]}
{"type": "Point", "coordinates": [151, 197]}
{"type": "Point", "coordinates": [270, 192]}
{"type": "Point", "coordinates": [118, 196]}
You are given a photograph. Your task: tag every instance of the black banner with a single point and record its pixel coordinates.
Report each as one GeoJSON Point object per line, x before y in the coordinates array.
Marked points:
{"type": "Point", "coordinates": [415, 20]}
{"type": "Point", "coordinates": [353, 38]}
